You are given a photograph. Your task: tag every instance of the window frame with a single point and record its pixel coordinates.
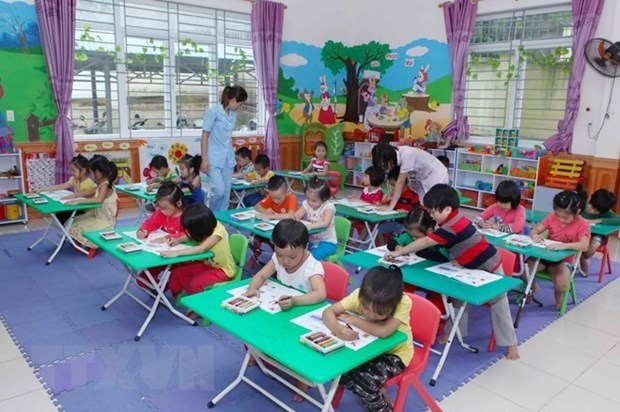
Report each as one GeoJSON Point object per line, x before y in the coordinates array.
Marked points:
{"type": "Point", "coordinates": [172, 91]}
{"type": "Point", "coordinates": [515, 87]}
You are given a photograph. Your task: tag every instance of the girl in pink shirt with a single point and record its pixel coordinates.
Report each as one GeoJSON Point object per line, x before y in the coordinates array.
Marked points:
{"type": "Point", "coordinates": [567, 226]}
{"type": "Point", "coordinates": [506, 214]}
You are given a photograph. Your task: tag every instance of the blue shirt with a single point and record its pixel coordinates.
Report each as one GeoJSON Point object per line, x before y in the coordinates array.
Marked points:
{"type": "Point", "coordinates": [220, 126]}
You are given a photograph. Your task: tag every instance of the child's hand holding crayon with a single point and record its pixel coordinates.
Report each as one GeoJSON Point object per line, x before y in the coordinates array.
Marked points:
{"type": "Point", "coordinates": [285, 302]}
{"type": "Point", "coordinates": [251, 292]}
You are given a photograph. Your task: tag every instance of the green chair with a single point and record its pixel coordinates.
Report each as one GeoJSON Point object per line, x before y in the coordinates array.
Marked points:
{"type": "Point", "coordinates": [343, 233]}
{"type": "Point", "coordinates": [571, 288]}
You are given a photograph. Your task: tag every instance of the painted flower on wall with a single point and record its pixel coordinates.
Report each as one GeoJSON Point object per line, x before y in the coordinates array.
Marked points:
{"type": "Point", "coordinates": [176, 152]}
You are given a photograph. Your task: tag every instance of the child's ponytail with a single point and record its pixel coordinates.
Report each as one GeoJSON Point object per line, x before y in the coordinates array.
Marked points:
{"type": "Point", "coordinates": [319, 185]}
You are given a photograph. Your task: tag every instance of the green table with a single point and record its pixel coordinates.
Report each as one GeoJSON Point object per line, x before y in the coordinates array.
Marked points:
{"type": "Point", "coordinates": [48, 211]}
{"type": "Point", "coordinates": [537, 216]}
{"type": "Point", "coordinates": [136, 262]}
{"type": "Point", "coordinates": [371, 222]}
{"type": "Point", "coordinates": [274, 338]}
{"type": "Point", "coordinates": [292, 175]}
{"type": "Point", "coordinates": [225, 217]}
{"type": "Point", "coordinates": [419, 276]}
{"type": "Point", "coordinates": [141, 195]}
{"type": "Point", "coordinates": [537, 253]}
{"type": "Point", "coordinates": [239, 187]}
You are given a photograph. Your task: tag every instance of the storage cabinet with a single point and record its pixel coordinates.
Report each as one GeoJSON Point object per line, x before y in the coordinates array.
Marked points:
{"type": "Point", "coordinates": [356, 157]}
{"type": "Point", "coordinates": [11, 182]}
{"type": "Point", "coordinates": [477, 176]}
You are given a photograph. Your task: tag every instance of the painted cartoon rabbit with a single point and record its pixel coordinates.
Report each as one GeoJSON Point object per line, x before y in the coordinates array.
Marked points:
{"type": "Point", "coordinates": [419, 84]}
{"type": "Point", "coordinates": [326, 113]}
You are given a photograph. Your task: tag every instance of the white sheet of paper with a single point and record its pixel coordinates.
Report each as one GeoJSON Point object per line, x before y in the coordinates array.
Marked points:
{"type": "Point", "coordinates": [57, 194]}
{"type": "Point", "coordinates": [492, 232]}
{"type": "Point", "coordinates": [379, 251]}
{"type": "Point", "coordinates": [270, 292]}
{"type": "Point", "coordinates": [351, 202]}
{"type": "Point", "coordinates": [150, 244]}
{"type": "Point", "coordinates": [472, 277]}
{"type": "Point", "coordinates": [314, 321]}
{"type": "Point", "coordinates": [65, 201]}
{"type": "Point", "coordinates": [411, 259]}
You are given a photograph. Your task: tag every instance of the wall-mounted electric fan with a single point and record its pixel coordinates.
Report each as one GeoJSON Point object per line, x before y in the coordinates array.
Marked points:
{"type": "Point", "coordinates": [604, 56]}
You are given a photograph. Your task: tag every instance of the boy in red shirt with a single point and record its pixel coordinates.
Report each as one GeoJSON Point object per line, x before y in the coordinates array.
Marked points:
{"type": "Point", "coordinates": [408, 200]}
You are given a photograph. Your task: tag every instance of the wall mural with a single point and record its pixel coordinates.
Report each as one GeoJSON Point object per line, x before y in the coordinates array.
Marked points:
{"type": "Point", "coordinates": [365, 86]}
{"type": "Point", "coordinates": [24, 84]}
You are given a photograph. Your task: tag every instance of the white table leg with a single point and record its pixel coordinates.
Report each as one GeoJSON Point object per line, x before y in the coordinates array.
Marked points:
{"type": "Point", "coordinates": [454, 331]}
{"type": "Point", "coordinates": [239, 197]}
{"type": "Point", "coordinates": [530, 275]}
{"type": "Point", "coordinates": [63, 232]}
{"type": "Point", "coordinates": [233, 384]}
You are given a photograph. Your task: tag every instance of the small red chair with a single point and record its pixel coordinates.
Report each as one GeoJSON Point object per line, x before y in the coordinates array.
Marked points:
{"type": "Point", "coordinates": [508, 265]}
{"type": "Point", "coordinates": [336, 281]}
{"type": "Point", "coordinates": [334, 184]}
{"type": "Point", "coordinates": [424, 320]}
{"type": "Point", "coordinates": [604, 250]}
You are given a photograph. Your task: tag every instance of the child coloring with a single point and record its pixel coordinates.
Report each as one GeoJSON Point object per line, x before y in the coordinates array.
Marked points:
{"type": "Point", "coordinates": [200, 226]}
{"type": "Point", "coordinates": [280, 203]}
{"type": "Point", "coordinates": [320, 212]}
{"type": "Point", "coordinates": [104, 217]}
{"type": "Point", "coordinates": [159, 165]}
{"type": "Point", "coordinates": [563, 225]}
{"type": "Point", "coordinates": [189, 169]}
{"type": "Point", "coordinates": [383, 309]}
{"type": "Point", "coordinates": [319, 164]}
{"type": "Point", "coordinates": [371, 193]}
{"type": "Point", "coordinates": [294, 266]}
{"type": "Point", "coordinates": [170, 203]}
{"type": "Point", "coordinates": [469, 248]}
{"type": "Point", "coordinates": [408, 198]}
{"type": "Point", "coordinates": [79, 183]}
{"type": "Point", "coordinates": [261, 174]}
{"type": "Point", "coordinates": [244, 163]}
{"type": "Point", "coordinates": [506, 214]}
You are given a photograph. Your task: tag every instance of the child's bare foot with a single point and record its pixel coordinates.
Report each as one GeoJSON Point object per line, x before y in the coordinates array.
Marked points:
{"type": "Point", "coordinates": [302, 387]}
{"type": "Point", "coordinates": [251, 362]}
{"type": "Point", "coordinates": [512, 353]}
{"type": "Point", "coordinates": [533, 291]}
{"type": "Point", "coordinates": [585, 268]}
{"type": "Point", "coordinates": [387, 398]}
{"type": "Point", "coordinates": [443, 339]}
{"type": "Point", "coordinates": [192, 315]}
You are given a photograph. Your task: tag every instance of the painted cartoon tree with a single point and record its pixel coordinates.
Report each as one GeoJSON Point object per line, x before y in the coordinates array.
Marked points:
{"type": "Point", "coordinates": [18, 26]}
{"type": "Point", "coordinates": [355, 59]}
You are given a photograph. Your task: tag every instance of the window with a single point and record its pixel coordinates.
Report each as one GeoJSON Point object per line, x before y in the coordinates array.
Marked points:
{"type": "Point", "coordinates": [517, 72]}
{"type": "Point", "coordinates": [151, 67]}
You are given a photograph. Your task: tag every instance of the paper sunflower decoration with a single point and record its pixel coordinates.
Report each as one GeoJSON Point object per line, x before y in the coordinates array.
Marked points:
{"type": "Point", "coordinates": [176, 152]}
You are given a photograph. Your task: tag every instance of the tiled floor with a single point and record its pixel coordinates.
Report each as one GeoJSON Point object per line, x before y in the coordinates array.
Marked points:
{"type": "Point", "coordinates": [573, 365]}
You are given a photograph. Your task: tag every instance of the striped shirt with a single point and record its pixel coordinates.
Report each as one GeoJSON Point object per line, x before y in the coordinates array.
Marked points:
{"type": "Point", "coordinates": [465, 244]}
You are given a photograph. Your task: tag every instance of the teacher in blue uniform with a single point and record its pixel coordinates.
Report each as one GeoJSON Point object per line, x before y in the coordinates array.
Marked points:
{"type": "Point", "coordinates": [216, 145]}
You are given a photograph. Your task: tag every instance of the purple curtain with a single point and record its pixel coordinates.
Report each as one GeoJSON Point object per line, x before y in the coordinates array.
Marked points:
{"type": "Point", "coordinates": [267, 22]}
{"type": "Point", "coordinates": [459, 18]}
{"type": "Point", "coordinates": [57, 28]}
{"type": "Point", "coordinates": [586, 15]}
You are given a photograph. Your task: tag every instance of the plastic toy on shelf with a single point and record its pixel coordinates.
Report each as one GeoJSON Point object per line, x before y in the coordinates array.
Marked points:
{"type": "Point", "coordinates": [485, 186]}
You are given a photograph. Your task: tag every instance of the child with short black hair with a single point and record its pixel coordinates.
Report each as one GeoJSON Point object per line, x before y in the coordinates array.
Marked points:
{"type": "Point", "coordinates": [159, 165]}
{"type": "Point", "coordinates": [261, 174]}
{"type": "Point", "coordinates": [408, 198]}
{"type": "Point", "coordinates": [445, 160]}
{"type": "Point", "coordinates": [598, 211]}
{"type": "Point", "coordinates": [506, 214]}
{"type": "Point", "coordinates": [201, 226]}
{"type": "Point", "coordinates": [280, 203]}
{"type": "Point", "coordinates": [319, 165]}
{"type": "Point", "coordinates": [564, 225]}
{"type": "Point", "coordinates": [383, 309]}
{"type": "Point", "coordinates": [320, 212]}
{"type": "Point", "coordinates": [294, 266]}
{"type": "Point", "coordinates": [244, 163]}
{"type": "Point", "coordinates": [469, 248]}
{"type": "Point", "coordinates": [189, 167]}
